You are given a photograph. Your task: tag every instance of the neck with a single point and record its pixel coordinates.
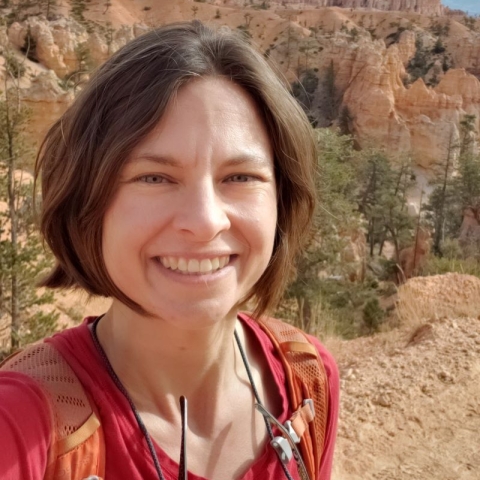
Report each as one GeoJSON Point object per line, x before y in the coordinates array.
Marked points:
{"type": "Point", "coordinates": [157, 362]}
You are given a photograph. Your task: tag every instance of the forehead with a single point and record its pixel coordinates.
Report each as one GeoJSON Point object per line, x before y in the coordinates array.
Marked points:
{"type": "Point", "coordinates": [207, 117]}
{"type": "Point", "coordinates": [212, 95]}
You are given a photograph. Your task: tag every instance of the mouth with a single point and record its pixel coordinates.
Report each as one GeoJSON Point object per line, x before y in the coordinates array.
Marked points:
{"type": "Point", "coordinates": [193, 266]}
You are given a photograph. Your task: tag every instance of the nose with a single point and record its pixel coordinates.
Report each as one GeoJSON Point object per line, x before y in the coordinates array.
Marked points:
{"type": "Point", "coordinates": [202, 214]}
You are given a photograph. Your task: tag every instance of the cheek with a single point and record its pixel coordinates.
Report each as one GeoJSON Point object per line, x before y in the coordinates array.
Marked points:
{"type": "Point", "coordinates": [126, 228]}
{"type": "Point", "coordinates": [263, 223]}
{"type": "Point", "coordinates": [131, 219]}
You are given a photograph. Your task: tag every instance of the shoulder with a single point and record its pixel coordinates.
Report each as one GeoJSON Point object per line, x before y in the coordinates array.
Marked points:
{"type": "Point", "coordinates": [26, 425]}
{"type": "Point", "coordinates": [328, 360]}
{"type": "Point", "coordinates": [279, 330]}
{"type": "Point", "coordinates": [19, 391]}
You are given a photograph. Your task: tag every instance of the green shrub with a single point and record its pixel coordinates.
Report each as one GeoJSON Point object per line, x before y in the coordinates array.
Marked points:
{"type": "Point", "coordinates": [469, 22]}
{"type": "Point", "coordinates": [373, 315]}
{"type": "Point", "coordinates": [439, 47]}
{"type": "Point", "coordinates": [442, 265]}
{"type": "Point", "coordinates": [13, 66]}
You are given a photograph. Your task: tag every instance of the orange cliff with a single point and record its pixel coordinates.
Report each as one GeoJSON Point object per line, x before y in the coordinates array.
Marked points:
{"type": "Point", "coordinates": [418, 119]}
{"type": "Point", "coordinates": [370, 67]}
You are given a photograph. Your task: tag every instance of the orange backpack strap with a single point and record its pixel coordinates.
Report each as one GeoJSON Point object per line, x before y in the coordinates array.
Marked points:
{"type": "Point", "coordinates": [77, 449]}
{"type": "Point", "coordinates": [306, 380]}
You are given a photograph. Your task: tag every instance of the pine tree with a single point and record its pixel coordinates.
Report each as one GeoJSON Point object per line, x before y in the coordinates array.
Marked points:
{"type": "Point", "coordinates": [336, 212]}
{"type": "Point", "coordinates": [330, 106]}
{"type": "Point", "coordinates": [382, 200]}
{"type": "Point", "coordinates": [442, 198]}
{"type": "Point", "coordinates": [467, 184]}
{"type": "Point", "coordinates": [467, 134]}
{"type": "Point", "coordinates": [304, 91]}
{"type": "Point", "coordinates": [22, 258]}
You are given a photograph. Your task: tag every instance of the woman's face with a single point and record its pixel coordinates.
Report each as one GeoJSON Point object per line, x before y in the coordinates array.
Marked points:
{"type": "Point", "coordinates": [191, 226]}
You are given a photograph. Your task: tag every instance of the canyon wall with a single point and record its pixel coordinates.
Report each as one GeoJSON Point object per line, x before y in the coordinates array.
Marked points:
{"type": "Point", "coordinates": [371, 79]}
{"type": "Point", "coordinates": [425, 7]}
{"type": "Point", "coordinates": [418, 119]}
{"type": "Point", "coordinates": [369, 51]}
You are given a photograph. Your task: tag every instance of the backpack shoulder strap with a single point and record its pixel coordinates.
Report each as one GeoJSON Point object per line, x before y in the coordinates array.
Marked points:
{"type": "Point", "coordinates": [78, 447]}
{"type": "Point", "coordinates": [306, 379]}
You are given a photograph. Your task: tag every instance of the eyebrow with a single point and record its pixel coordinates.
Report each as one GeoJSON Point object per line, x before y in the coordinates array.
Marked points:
{"type": "Point", "coordinates": [160, 159]}
{"type": "Point", "coordinates": [241, 159]}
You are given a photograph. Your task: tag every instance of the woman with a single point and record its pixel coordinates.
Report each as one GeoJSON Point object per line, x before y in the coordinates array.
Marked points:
{"type": "Point", "coordinates": [179, 183]}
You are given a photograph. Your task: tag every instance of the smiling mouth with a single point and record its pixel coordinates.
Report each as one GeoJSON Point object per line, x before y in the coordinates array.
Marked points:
{"type": "Point", "coordinates": [194, 266]}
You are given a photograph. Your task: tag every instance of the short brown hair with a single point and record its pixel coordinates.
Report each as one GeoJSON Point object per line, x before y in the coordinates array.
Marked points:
{"type": "Point", "coordinates": [83, 152]}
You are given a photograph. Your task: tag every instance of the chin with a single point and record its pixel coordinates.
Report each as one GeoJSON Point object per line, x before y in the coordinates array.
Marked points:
{"type": "Point", "coordinates": [195, 315]}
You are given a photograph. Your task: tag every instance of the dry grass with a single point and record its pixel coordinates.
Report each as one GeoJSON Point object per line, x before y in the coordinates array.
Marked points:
{"type": "Point", "coordinates": [451, 295]}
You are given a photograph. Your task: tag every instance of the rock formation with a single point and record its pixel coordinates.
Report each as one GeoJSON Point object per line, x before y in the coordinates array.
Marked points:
{"type": "Point", "coordinates": [412, 258]}
{"type": "Point", "coordinates": [354, 254]}
{"type": "Point", "coordinates": [64, 50]}
{"type": "Point", "coordinates": [425, 7]}
{"type": "Point", "coordinates": [417, 119]}
{"type": "Point", "coordinates": [470, 228]}
{"type": "Point", "coordinates": [46, 100]}
{"type": "Point", "coordinates": [370, 53]}
{"type": "Point", "coordinates": [63, 45]}
{"type": "Point", "coordinates": [55, 42]}
{"type": "Point", "coordinates": [369, 49]}
{"type": "Point", "coordinates": [464, 47]}
{"type": "Point", "coordinates": [450, 295]}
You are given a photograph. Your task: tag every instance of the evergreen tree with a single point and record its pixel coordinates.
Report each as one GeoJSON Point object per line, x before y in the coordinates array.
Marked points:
{"type": "Point", "coordinates": [467, 190]}
{"type": "Point", "coordinates": [441, 207]}
{"type": "Point", "coordinates": [345, 121]}
{"type": "Point", "coordinates": [467, 182]}
{"type": "Point", "coordinates": [304, 91]}
{"type": "Point", "coordinates": [22, 258]}
{"type": "Point", "coordinates": [336, 213]}
{"type": "Point", "coordinates": [457, 186]}
{"type": "Point", "coordinates": [393, 212]}
{"type": "Point", "coordinates": [382, 200]}
{"type": "Point", "coordinates": [330, 104]}
{"type": "Point", "coordinates": [467, 134]}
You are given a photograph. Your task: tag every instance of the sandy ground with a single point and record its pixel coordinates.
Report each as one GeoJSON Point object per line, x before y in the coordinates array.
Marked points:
{"type": "Point", "coordinates": [410, 405]}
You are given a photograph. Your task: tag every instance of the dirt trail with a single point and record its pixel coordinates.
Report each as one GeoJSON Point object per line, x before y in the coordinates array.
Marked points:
{"type": "Point", "coordinates": [410, 406]}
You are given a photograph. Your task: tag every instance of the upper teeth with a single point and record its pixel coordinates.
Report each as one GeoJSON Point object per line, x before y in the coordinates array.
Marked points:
{"type": "Point", "coordinates": [205, 265]}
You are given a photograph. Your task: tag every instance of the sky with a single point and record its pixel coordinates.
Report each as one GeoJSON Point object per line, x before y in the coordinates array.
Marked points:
{"type": "Point", "coordinates": [470, 6]}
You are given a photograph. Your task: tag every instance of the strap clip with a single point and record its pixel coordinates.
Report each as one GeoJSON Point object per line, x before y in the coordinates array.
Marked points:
{"type": "Point", "coordinates": [300, 419]}
{"type": "Point", "coordinates": [309, 402]}
{"type": "Point", "coordinates": [288, 425]}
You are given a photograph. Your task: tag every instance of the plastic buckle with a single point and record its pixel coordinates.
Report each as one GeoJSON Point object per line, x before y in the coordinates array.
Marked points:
{"type": "Point", "coordinates": [309, 402]}
{"type": "Point", "coordinates": [291, 431]}
{"type": "Point", "coordinates": [283, 449]}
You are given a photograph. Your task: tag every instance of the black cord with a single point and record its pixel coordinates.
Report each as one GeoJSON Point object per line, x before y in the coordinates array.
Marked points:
{"type": "Point", "coordinates": [257, 396]}
{"type": "Point", "coordinates": [183, 469]}
{"type": "Point", "coordinates": [122, 389]}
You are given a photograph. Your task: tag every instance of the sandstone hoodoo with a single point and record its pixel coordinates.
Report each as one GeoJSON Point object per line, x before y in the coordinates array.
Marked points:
{"type": "Point", "coordinates": [425, 7]}
{"type": "Point", "coordinates": [405, 73]}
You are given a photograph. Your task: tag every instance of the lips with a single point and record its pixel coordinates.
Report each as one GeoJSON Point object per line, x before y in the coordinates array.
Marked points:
{"type": "Point", "coordinates": [193, 265]}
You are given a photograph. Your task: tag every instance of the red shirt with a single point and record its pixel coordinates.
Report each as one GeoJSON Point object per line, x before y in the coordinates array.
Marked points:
{"type": "Point", "coordinates": [25, 419]}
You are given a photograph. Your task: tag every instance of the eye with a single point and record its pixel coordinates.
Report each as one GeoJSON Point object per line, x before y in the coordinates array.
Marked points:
{"type": "Point", "coordinates": [154, 179]}
{"type": "Point", "coordinates": [240, 178]}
